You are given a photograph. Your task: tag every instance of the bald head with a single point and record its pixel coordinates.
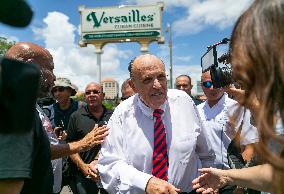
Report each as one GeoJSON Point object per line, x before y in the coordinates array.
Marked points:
{"type": "Point", "coordinates": [31, 53]}
{"type": "Point", "coordinates": [143, 62]}
{"type": "Point", "coordinates": [93, 84]}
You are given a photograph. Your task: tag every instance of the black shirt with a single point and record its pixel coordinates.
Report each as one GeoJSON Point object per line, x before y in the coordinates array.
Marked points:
{"type": "Point", "coordinates": [196, 101]}
{"type": "Point", "coordinates": [27, 156]}
{"type": "Point", "coordinates": [82, 122]}
{"type": "Point", "coordinates": [61, 117]}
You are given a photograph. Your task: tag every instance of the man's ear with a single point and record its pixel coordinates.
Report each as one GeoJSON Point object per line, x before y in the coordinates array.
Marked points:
{"type": "Point", "coordinates": [131, 83]}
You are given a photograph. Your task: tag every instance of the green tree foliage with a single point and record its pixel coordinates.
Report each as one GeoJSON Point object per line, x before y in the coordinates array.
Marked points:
{"type": "Point", "coordinates": [5, 45]}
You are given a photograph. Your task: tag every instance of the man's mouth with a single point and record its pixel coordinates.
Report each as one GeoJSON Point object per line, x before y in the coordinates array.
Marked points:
{"type": "Point", "coordinates": [157, 94]}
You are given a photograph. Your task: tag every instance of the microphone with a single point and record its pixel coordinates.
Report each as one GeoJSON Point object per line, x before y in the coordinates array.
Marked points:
{"type": "Point", "coordinates": [15, 13]}
{"type": "Point", "coordinates": [224, 41]}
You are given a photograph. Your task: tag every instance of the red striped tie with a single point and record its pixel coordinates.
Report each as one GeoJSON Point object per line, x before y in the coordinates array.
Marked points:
{"type": "Point", "coordinates": [160, 154]}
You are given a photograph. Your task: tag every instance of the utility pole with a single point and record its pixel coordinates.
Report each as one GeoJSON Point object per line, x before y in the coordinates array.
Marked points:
{"type": "Point", "coordinates": [170, 44]}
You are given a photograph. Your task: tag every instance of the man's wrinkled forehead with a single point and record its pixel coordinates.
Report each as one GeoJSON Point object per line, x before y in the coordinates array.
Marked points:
{"type": "Point", "coordinates": [144, 62]}
{"type": "Point", "coordinates": [93, 86]}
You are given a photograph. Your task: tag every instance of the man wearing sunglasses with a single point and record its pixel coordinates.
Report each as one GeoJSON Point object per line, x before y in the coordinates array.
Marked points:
{"type": "Point", "coordinates": [215, 115]}
{"type": "Point", "coordinates": [81, 123]}
{"type": "Point", "coordinates": [60, 112]}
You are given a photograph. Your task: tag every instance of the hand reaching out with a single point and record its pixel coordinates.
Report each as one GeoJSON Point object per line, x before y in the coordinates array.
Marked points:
{"type": "Point", "coordinates": [95, 137]}
{"type": "Point", "coordinates": [210, 181]}
{"type": "Point", "coordinates": [159, 186]}
{"type": "Point", "coordinates": [93, 171]}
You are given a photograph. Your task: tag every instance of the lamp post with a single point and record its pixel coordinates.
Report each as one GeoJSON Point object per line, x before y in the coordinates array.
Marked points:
{"type": "Point", "coordinates": [169, 31]}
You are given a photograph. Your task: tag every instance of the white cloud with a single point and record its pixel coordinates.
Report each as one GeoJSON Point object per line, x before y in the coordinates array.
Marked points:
{"type": "Point", "coordinates": [184, 58]}
{"type": "Point", "coordinates": [219, 13]}
{"type": "Point", "coordinates": [168, 3]}
{"type": "Point", "coordinates": [71, 61]}
{"type": "Point", "coordinates": [201, 14]}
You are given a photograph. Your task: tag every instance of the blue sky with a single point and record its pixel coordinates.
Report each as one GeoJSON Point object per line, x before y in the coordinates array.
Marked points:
{"type": "Point", "coordinates": [195, 25]}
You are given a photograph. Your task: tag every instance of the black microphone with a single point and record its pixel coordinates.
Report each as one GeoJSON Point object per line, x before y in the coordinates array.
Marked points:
{"type": "Point", "coordinates": [15, 13]}
{"type": "Point", "coordinates": [225, 40]}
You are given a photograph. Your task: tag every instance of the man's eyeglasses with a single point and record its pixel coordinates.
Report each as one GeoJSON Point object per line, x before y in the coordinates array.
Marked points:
{"type": "Point", "coordinates": [89, 92]}
{"type": "Point", "coordinates": [58, 89]}
{"type": "Point", "coordinates": [124, 98]}
{"type": "Point", "coordinates": [207, 84]}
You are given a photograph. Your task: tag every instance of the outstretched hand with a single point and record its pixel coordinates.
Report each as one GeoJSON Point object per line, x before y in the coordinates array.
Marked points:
{"type": "Point", "coordinates": [159, 186]}
{"type": "Point", "coordinates": [95, 137]}
{"type": "Point", "coordinates": [210, 180]}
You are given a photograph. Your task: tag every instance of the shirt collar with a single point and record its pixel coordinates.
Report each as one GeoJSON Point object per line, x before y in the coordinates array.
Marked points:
{"type": "Point", "coordinates": [147, 111]}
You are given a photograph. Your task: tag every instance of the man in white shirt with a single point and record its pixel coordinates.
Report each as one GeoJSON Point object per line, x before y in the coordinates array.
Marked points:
{"type": "Point", "coordinates": [156, 143]}
{"type": "Point", "coordinates": [215, 114]}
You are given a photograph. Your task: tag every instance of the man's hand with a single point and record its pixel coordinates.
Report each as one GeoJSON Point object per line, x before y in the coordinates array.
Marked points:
{"type": "Point", "coordinates": [93, 171]}
{"type": "Point", "coordinates": [94, 137]}
{"type": "Point", "coordinates": [159, 186]}
{"type": "Point", "coordinates": [210, 181]}
{"type": "Point", "coordinates": [238, 94]}
{"type": "Point", "coordinates": [85, 169]}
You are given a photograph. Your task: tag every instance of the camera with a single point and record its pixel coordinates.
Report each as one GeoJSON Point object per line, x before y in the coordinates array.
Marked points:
{"type": "Point", "coordinates": [220, 70]}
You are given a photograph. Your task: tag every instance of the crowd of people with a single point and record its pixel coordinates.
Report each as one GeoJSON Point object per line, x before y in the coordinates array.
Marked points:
{"type": "Point", "coordinates": [158, 140]}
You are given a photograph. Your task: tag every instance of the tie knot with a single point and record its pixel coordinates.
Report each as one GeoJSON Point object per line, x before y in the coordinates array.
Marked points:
{"type": "Point", "coordinates": [158, 113]}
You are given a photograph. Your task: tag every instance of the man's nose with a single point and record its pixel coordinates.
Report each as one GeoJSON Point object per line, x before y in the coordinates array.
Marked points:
{"type": "Point", "coordinates": [157, 84]}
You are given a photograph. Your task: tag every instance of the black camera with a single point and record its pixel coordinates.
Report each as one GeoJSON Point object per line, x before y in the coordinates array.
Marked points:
{"type": "Point", "coordinates": [19, 84]}
{"type": "Point", "coordinates": [221, 73]}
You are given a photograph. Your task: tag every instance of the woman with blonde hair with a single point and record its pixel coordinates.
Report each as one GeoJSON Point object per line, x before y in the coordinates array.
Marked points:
{"type": "Point", "coordinates": [257, 57]}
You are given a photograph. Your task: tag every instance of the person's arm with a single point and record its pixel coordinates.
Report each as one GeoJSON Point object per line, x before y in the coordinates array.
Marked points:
{"type": "Point", "coordinates": [257, 177]}
{"type": "Point", "coordinates": [248, 137]}
{"type": "Point", "coordinates": [11, 186]}
{"type": "Point", "coordinates": [84, 168]}
{"type": "Point", "coordinates": [115, 171]}
{"type": "Point", "coordinates": [94, 137]}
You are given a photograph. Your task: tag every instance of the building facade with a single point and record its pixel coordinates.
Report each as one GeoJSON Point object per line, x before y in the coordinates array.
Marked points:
{"type": "Point", "coordinates": [110, 88]}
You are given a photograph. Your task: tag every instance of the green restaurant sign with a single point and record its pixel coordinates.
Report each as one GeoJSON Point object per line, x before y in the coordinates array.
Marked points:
{"type": "Point", "coordinates": [121, 23]}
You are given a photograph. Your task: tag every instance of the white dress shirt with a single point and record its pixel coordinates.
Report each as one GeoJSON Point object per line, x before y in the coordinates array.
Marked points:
{"type": "Point", "coordinates": [216, 120]}
{"type": "Point", "coordinates": [125, 163]}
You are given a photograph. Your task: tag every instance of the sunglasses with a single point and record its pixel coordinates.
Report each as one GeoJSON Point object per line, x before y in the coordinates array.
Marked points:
{"type": "Point", "coordinates": [89, 92]}
{"type": "Point", "coordinates": [207, 84]}
{"type": "Point", "coordinates": [58, 89]}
